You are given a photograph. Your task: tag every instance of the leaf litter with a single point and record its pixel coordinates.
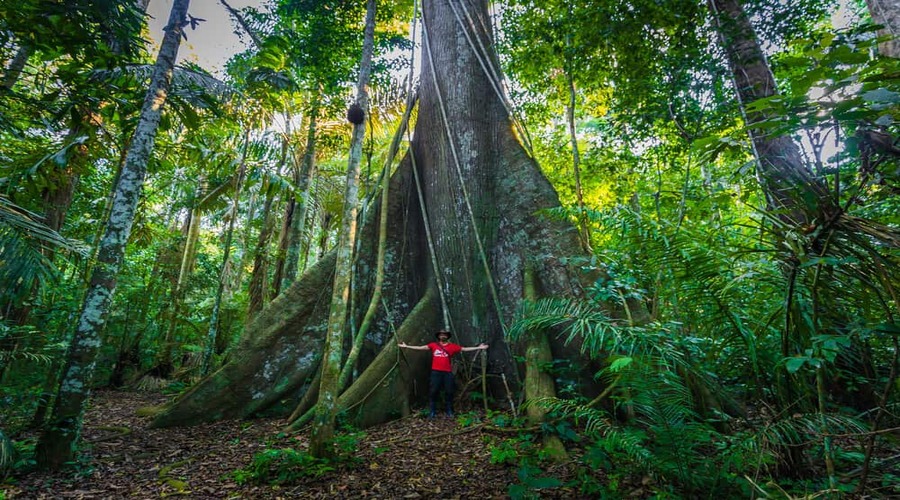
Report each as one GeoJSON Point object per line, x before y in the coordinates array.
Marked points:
{"type": "Point", "coordinates": [413, 457]}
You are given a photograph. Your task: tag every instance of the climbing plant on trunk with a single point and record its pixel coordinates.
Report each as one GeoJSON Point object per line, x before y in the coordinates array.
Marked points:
{"type": "Point", "coordinates": [482, 198]}
{"type": "Point", "coordinates": [323, 424]}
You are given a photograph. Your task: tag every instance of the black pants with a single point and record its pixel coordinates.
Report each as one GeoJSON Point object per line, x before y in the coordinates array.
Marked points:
{"type": "Point", "coordinates": [441, 381]}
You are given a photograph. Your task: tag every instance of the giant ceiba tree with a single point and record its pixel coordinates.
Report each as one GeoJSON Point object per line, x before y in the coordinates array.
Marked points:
{"type": "Point", "coordinates": [457, 250]}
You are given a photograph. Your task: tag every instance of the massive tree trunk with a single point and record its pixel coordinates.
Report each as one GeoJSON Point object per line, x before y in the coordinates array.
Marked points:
{"type": "Point", "coordinates": [58, 443]}
{"type": "Point", "coordinates": [482, 194]}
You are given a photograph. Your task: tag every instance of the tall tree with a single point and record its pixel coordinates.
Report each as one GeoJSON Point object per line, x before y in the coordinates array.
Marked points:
{"type": "Point", "coordinates": [480, 211]}
{"type": "Point", "coordinates": [786, 181]}
{"type": "Point", "coordinates": [57, 445]}
{"type": "Point", "coordinates": [213, 331]}
{"type": "Point", "coordinates": [321, 444]}
{"type": "Point", "coordinates": [301, 205]}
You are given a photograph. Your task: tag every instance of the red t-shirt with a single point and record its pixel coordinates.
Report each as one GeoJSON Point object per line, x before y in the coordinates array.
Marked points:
{"type": "Point", "coordinates": [440, 355]}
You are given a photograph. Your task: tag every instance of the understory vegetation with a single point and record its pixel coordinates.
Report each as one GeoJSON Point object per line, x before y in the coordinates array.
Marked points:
{"type": "Point", "coordinates": [738, 337]}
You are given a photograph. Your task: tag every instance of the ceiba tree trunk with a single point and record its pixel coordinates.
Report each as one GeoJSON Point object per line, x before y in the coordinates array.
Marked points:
{"type": "Point", "coordinates": [497, 191]}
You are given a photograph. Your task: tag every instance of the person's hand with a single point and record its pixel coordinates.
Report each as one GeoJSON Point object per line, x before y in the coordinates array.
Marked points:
{"type": "Point", "coordinates": [482, 346]}
{"type": "Point", "coordinates": [402, 344]}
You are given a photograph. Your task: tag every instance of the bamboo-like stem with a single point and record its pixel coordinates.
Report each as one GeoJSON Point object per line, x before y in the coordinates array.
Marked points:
{"type": "Point", "coordinates": [382, 245]}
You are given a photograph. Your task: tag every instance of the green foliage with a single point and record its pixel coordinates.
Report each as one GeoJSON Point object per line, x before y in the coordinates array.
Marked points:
{"type": "Point", "coordinates": [16, 457]}
{"type": "Point", "coordinates": [288, 465]}
{"type": "Point", "coordinates": [283, 466]}
{"type": "Point", "coordinates": [531, 481]}
{"type": "Point", "coordinates": [7, 453]}
{"type": "Point", "coordinates": [509, 451]}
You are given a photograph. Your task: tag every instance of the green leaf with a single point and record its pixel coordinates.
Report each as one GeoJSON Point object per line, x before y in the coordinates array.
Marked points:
{"type": "Point", "coordinates": [620, 363]}
{"type": "Point", "coordinates": [881, 95]}
{"type": "Point", "coordinates": [794, 364]}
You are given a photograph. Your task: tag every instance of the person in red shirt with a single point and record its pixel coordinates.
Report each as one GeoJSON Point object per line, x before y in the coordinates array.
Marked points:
{"type": "Point", "coordinates": [441, 367]}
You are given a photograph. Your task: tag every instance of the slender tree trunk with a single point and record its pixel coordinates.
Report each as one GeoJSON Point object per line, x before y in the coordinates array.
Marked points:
{"type": "Point", "coordinates": [538, 383]}
{"type": "Point", "coordinates": [887, 14]}
{"type": "Point", "coordinates": [8, 453]}
{"type": "Point", "coordinates": [576, 168]}
{"type": "Point", "coordinates": [289, 210]}
{"type": "Point", "coordinates": [321, 442]}
{"type": "Point", "coordinates": [788, 184]}
{"type": "Point", "coordinates": [16, 66]}
{"type": "Point", "coordinates": [226, 254]}
{"type": "Point", "coordinates": [164, 364]}
{"type": "Point", "coordinates": [301, 206]}
{"type": "Point", "coordinates": [57, 445]}
{"type": "Point", "coordinates": [259, 276]}
{"type": "Point", "coordinates": [324, 230]}
{"type": "Point", "coordinates": [245, 239]}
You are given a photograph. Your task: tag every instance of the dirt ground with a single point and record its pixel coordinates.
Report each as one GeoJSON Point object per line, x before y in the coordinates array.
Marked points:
{"type": "Point", "coordinates": [410, 458]}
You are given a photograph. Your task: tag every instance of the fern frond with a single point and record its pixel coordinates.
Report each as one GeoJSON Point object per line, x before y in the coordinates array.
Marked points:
{"type": "Point", "coordinates": [799, 429]}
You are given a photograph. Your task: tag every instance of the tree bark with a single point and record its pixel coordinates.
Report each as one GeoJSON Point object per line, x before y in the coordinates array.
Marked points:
{"type": "Point", "coordinates": [276, 356]}
{"type": "Point", "coordinates": [58, 443]}
{"type": "Point", "coordinates": [788, 184]}
{"type": "Point", "coordinates": [259, 277]}
{"type": "Point", "coordinates": [287, 221]}
{"type": "Point", "coordinates": [301, 206]}
{"type": "Point", "coordinates": [497, 192]}
{"type": "Point", "coordinates": [887, 14]}
{"type": "Point", "coordinates": [321, 443]}
{"type": "Point", "coordinates": [539, 383]}
{"type": "Point", "coordinates": [16, 66]}
{"type": "Point", "coordinates": [576, 163]}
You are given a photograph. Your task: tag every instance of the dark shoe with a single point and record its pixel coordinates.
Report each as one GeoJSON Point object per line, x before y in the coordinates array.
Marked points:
{"type": "Point", "coordinates": [431, 416]}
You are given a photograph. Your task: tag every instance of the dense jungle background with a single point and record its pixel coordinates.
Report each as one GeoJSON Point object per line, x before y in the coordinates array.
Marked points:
{"type": "Point", "coordinates": [676, 223]}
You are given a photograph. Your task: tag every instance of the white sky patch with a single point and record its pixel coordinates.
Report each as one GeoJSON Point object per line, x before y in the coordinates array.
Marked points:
{"type": "Point", "coordinates": [213, 42]}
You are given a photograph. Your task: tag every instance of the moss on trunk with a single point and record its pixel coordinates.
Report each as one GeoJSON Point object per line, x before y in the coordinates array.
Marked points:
{"type": "Point", "coordinates": [483, 195]}
{"type": "Point", "coordinates": [385, 389]}
{"type": "Point", "coordinates": [278, 353]}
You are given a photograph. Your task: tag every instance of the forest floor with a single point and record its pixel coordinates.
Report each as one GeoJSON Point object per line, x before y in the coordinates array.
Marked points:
{"type": "Point", "coordinates": [410, 458]}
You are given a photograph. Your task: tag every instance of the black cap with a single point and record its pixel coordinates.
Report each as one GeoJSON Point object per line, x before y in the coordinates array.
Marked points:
{"type": "Point", "coordinates": [439, 332]}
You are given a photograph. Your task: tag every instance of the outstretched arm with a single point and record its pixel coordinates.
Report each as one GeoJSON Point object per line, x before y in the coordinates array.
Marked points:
{"type": "Point", "coordinates": [476, 348]}
{"type": "Point", "coordinates": [416, 347]}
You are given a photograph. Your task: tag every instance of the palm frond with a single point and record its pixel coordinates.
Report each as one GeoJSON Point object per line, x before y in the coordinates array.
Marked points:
{"type": "Point", "coordinates": [190, 83]}
{"type": "Point", "coordinates": [23, 240]}
{"type": "Point", "coordinates": [803, 428]}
